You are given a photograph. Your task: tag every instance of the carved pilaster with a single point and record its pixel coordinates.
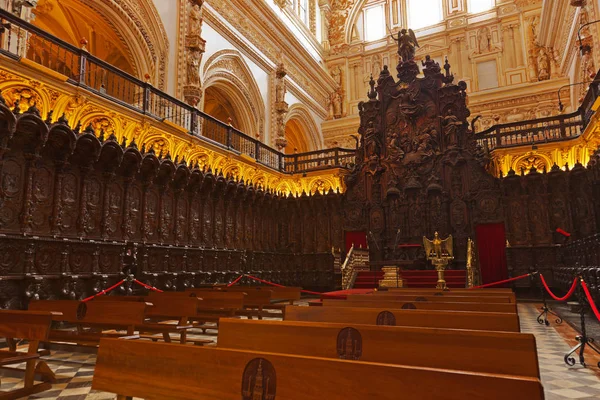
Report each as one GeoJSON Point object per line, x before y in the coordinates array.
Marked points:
{"type": "Point", "coordinates": [194, 49]}
{"type": "Point", "coordinates": [281, 107]}
{"type": "Point", "coordinates": [312, 16]}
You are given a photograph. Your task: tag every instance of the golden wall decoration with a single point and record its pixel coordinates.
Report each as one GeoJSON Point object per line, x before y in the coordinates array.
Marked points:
{"type": "Point", "coordinates": [31, 86]}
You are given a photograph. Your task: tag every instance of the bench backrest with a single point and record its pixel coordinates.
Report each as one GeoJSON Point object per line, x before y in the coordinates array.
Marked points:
{"type": "Point", "coordinates": [446, 293]}
{"type": "Point", "coordinates": [423, 305]}
{"type": "Point", "coordinates": [108, 313]}
{"type": "Point", "coordinates": [255, 296]}
{"type": "Point", "coordinates": [480, 351]}
{"type": "Point", "coordinates": [203, 372]}
{"type": "Point", "coordinates": [453, 290]}
{"type": "Point", "coordinates": [439, 299]}
{"type": "Point", "coordinates": [210, 299]}
{"type": "Point", "coordinates": [278, 293]}
{"type": "Point", "coordinates": [30, 325]}
{"type": "Point", "coordinates": [172, 307]}
{"type": "Point", "coordinates": [505, 322]}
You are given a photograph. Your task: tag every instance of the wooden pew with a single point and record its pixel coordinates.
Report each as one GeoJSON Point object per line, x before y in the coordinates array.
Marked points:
{"type": "Point", "coordinates": [452, 292]}
{"type": "Point", "coordinates": [161, 311]}
{"type": "Point", "coordinates": [176, 372]}
{"type": "Point", "coordinates": [422, 305]}
{"type": "Point", "coordinates": [505, 322]}
{"type": "Point", "coordinates": [35, 328]}
{"type": "Point", "coordinates": [96, 316]}
{"type": "Point", "coordinates": [212, 305]}
{"type": "Point", "coordinates": [439, 299]}
{"type": "Point", "coordinates": [256, 299]}
{"type": "Point", "coordinates": [280, 297]}
{"type": "Point", "coordinates": [475, 351]}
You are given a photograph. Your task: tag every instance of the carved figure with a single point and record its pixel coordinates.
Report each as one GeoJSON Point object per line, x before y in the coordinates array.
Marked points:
{"type": "Point", "coordinates": [336, 74]}
{"type": "Point", "coordinates": [280, 85]}
{"type": "Point", "coordinates": [484, 40]}
{"type": "Point", "coordinates": [193, 68]}
{"type": "Point", "coordinates": [451, 125]}
{"type": "Point", "coordinates": [195, 21]}
{"type": "Point", "coordinates": [407, 41]}
{"type": "Point", "coordinates": [588, 70]}
{"type": "Point", "coordinates": [543, 62]}
{"type": "Point", "coordinates": [336, 103]}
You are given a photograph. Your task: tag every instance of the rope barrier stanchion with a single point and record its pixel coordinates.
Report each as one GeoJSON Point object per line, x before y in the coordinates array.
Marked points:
{"type": "Point", "coordinates": [542, 319]}
{"type": "Point", "coordinates": [583, 339]}
{"type": "Point", "coordinates": [590, 299]}
{"type": "Point", "coordinates": [516, 278]}
{"type": "Point", "coordinates": [149, 287]}
{"type": "Point", "coordinates": [104, 291]}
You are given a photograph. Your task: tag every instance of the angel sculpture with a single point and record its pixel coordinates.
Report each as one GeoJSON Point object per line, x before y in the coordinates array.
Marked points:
{"type": "Point", "coordinates": [407, 41]}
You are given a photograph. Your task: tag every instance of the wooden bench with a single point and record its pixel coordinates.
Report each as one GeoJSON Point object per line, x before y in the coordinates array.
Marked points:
{"type": "Point", "coordinates": [212, 305]}
{"type": "Point", "coordinates": [505, 322]}
{"type": "Point", "coordinates": [439, 299]}
{"type": "Point", "coordinates": [367, 301]}
{"type": "Point", "coordinates": [176, 372]}
{"type": "Point", "coordinates": [280, 297]}
{"type": "Point", "coordinates": [452, 292]}
{"type": "Point", "coordinates": [466, 350]}
{"type": "Point", "coordinates": [35, 328]}
{"type": "Point", "coordinates": [161, 311]}
{"type": "Point", "coordinates": [92, 319]}
{"type": "Point", "coordinates": [256, 299]}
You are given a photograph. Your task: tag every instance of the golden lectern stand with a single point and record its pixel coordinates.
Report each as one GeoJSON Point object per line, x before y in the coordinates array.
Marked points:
{"type": "Point", "coordinates": [440, 253]}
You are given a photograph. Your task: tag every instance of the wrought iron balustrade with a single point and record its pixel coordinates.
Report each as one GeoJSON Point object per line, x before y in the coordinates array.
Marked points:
{"type": "Point", "coordinates": [21, 40]}
{"type": "Point", "coordinates": [542, 130]}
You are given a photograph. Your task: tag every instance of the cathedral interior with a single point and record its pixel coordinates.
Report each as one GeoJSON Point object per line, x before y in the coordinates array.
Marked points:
{"type": "Point", "coordinates": [202, 199]}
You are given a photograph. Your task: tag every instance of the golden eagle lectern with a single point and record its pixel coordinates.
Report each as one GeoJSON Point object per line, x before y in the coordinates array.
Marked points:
{"type": "Point", "coordinates": [440, 252]}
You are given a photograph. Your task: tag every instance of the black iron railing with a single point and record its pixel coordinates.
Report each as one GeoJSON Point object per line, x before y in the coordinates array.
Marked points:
{"type": "Point", "coordinates": [19, 39]}
{"type": "Point", "coordinates": [543, 130]}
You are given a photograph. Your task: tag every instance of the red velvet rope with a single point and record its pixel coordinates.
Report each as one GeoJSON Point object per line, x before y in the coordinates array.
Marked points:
{"type": "Point", "coordinates": [147, 286]}
{"type": "Point", "coordinates": [566, 296]}
{"type": "Point", "coordinates": [590, 299]}
{"type": "Point", "coordinates": [501, 282]}
{"type": "Point", "coordinates": [236, 281]}
{"type": "Point", "coordinates": [104, 291]}
{"type": "Point", "coordinates": [303, 291]}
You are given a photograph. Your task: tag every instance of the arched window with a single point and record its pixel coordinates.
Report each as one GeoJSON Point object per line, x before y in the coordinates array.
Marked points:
{"type": "Point", "coordinates": [477, 6]}
{"type": "Point", "coordinates": [422, 13]}
{"type": "Point", "coordinates": [374, 23]}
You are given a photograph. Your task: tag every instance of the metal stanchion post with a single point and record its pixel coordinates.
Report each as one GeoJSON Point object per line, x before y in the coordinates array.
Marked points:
{"type": "Point", "coordinates": [583, 339]}
{"type": "Point", "coordinates": [542, 319]}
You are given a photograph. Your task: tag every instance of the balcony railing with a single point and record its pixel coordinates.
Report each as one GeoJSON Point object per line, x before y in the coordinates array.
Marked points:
{"type": "Point", "coordinates": [19, 39]}
{"type": "Point", "coordinates": [543, 130]}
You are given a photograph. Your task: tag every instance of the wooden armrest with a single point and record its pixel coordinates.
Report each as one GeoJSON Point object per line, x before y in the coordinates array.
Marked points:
{"type": "Point", "coordinates": [15, 357]}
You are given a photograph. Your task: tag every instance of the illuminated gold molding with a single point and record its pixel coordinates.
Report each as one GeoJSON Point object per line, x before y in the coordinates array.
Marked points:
{"type": "Point", "coordinates": [49, 92]}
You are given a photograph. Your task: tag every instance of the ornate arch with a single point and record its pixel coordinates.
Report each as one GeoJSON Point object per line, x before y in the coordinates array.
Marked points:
{"type": "Point", "coordinates": [299, 113]}
{"type": "Point", "coordinates": [227, 71]}
{"type": "Point", "coordinates": [535, 159]}
{"type": "Point", "coordinates": [353, 14]}
{"type": "Point", "coordinates": [139, 27]}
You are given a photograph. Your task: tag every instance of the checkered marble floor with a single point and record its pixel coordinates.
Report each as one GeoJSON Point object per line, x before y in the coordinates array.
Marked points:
{"type": "Point", "coordinates": [560, 381]}
{"type": "Point", "coordinates": [74, 371]}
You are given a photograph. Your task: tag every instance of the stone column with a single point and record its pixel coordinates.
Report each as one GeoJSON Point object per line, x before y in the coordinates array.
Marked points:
{"type": "Point", "coordinates": [194, 49]}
